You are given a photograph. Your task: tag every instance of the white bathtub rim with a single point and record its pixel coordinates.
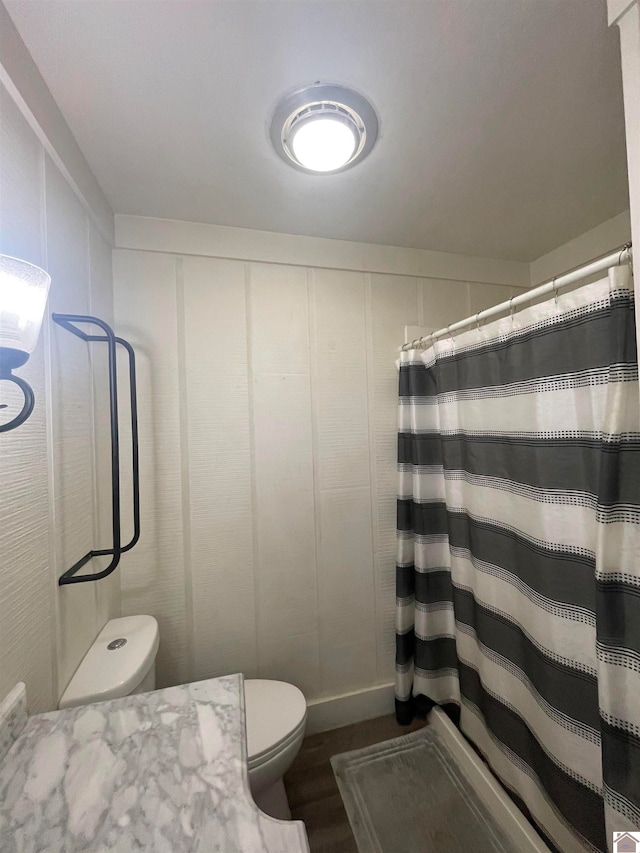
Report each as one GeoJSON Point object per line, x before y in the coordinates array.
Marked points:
{"type": "Point", "coordinates": [504, 810]}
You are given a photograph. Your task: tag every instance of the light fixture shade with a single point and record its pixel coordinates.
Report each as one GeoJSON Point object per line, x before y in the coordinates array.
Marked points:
{"type": "Point", "coordinates": [323, 129]}
{"type": "Point", "coordinates": [24, 288]}
{"type": "Point", "coordinates": [323, 145]}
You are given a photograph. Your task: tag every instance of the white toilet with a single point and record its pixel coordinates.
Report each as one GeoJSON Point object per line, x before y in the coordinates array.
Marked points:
{"type": "Point", "coordinates": [276, 715]}
{"type": "Point", "coordinates": [121, 662]}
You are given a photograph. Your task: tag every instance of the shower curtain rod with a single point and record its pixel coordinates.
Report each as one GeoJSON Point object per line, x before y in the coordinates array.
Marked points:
{"type": "Point", "coordinates": [622, 256]}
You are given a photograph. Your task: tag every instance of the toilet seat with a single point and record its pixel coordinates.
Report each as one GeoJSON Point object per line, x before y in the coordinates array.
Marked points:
{"type": "Point", "coordinates": [255, 761]}
{"type": "Point", "coordinates": [276, 714]}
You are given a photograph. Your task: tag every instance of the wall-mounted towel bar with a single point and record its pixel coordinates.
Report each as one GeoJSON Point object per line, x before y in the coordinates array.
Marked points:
{"type": "Point", "coordinates": [68, 321]}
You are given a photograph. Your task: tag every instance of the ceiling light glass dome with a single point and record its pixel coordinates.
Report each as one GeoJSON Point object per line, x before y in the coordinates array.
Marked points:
{"type": "Point", "coordinates": [324, 129]}
{"type": "Point", "coordinates": [323, 145]}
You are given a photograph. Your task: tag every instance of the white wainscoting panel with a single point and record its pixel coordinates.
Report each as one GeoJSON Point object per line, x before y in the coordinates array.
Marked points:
{"type": "Point", "coordinates": [152, 574]}
{"type": "Point", "coordinates": [293, 659]}
{"type": "Point", "coordinates": [346, 590]}
{"type": "Point", "coordinates": [71, 419]}
{"type": "Point", "coordinates": [443, 302]}
{"type": "Point", "coordinates": [483, 296]}
{"type": "Point", "coordinates": [46, 464]}
{"type": "Point", "coordinates": [285, 528]}
{"type": "Point", "coordinates": [279, 319]}
{"type": "Point", "coordinates": [26, 604]}
{"type": "Point", "coordinates": [215, 391]}
{"type": "Point", "coordinates": [340, 378]}
{"type": "Point", "coordinates": [284, 519]}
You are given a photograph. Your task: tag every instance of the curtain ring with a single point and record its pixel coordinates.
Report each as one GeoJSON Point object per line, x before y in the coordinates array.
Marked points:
{"type": "Point", "coordinates": [624, 249]}
{"type": "Point", "coordinates": [477, 322]}
{"type": "Point", "coordinates": [511, 309]}
{"type": "Point", "coordinates": [450, 335]}
{"type": "Point", "coordinates": [555, 290]}
{"type": "Point", "coordinates": [627, 248]}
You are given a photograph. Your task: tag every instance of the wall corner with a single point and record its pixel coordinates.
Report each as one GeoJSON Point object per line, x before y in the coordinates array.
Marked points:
{"type": "Point", "coordinates": [625, 14]}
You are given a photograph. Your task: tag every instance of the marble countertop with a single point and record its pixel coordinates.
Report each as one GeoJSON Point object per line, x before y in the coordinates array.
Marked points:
{"type": "Point", "coordinates": [162, 771]}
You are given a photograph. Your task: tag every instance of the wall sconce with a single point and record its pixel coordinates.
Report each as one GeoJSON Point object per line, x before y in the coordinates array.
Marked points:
{"type": "Point", "coordinates": [23, 297]}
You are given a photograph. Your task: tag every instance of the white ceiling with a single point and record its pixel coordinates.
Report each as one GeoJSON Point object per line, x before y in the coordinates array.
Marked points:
{"type": "Point", "coordinates": [502, 129]}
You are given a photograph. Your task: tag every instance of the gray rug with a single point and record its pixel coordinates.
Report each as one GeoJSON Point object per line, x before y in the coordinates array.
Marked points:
{"type": "Point", "coordinates": [408, 796]}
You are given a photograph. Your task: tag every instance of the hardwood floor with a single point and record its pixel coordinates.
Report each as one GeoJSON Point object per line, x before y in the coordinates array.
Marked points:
{"type": "Point", "coordinates": [311, 786]}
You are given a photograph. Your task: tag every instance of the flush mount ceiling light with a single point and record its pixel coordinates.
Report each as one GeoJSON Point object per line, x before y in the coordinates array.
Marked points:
{"type": "Point", "coordinates": [323, 128]}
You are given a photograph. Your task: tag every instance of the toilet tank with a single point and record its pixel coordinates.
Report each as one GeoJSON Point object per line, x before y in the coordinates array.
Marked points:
{"type": "Point", "coordinates": [120, 662]}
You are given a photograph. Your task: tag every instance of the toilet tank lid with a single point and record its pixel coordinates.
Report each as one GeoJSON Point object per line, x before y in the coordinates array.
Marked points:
{"type": "Point", "coordinates": [112, 673]}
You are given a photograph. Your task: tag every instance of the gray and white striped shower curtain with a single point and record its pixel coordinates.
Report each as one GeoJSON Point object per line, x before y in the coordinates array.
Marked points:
{"type": "Point", "coordinates": [518, 571]}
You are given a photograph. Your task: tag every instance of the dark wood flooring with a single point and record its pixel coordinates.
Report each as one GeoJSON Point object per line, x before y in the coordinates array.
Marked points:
{"type": "Point", "coordinates": [311, 786]}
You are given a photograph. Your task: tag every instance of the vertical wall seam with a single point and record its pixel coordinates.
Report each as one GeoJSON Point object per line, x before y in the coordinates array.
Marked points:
{"type": "Point", "coordinates": [51, 480]}
{"type": "Point", "coordinates": [95, 517]}
{"type": "Point", "coordinates": [373, 476]}
{"type": "Point", "coordinates": [183, 406]}
{"type": "Point", "coordinates": [315, 457]}
{"type": "Point", "coordinates": [255, 532]}
{"type": "Point", "coordinates": [119, 573]}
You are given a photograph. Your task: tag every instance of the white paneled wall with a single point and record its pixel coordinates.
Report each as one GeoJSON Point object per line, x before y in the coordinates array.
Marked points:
{"type": "Point", "coordinates": [268, 461]}
{"type": "Point", "coordinates": [52, 507]}
{"type": "Point", "coordinates": [71, 417]}
{"type": "Point", "coordinates": [154, 578]}
{"type": "Point", "coordinates": [216, 450]}
{"type": "Point", "coordinates": [346, 594]}
{"type": "Point", "coordinates": [26, 619]}
{"type": "Point", "coordinates": [282, 441]}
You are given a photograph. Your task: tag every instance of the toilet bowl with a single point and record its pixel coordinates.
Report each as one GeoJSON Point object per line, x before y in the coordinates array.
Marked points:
{"type": "Point", "coordinates": [275, 712]}
{"type": "Point", "coordinates": [276, 715]}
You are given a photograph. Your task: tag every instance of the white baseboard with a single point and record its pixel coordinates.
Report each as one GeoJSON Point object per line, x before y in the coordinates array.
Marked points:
{"type": "Point", "coordinates": [332, 712]}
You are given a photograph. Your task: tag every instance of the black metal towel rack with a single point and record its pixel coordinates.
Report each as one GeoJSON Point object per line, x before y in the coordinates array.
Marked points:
{"type": "Point", "coordinates": [68, 321]}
